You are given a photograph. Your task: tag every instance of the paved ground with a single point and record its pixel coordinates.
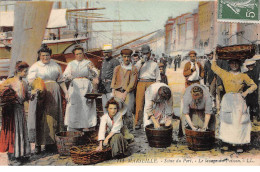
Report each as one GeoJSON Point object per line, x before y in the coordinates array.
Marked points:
{"type": "Point", "coordinates": [177, 154]}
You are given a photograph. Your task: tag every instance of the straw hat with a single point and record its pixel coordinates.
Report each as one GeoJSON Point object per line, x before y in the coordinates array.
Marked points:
{"type": "Point", "coordinates": [256, 57]}
{"type": "Point", "coordinates": [249, 62]}
{"type": "Point", "coordinates": [107, 48]}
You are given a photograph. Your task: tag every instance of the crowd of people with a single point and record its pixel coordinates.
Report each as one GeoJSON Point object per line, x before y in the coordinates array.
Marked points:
{"type": "Point", "coordinates": [135, 93]}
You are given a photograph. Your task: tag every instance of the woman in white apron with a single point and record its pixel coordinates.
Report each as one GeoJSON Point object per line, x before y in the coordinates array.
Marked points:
{"type": "Point", "coordinates": [80, 111]}
{"type": "Point", "coordinates": [45, 117]}
{"type": "Point", "coordinates": [235, 125]}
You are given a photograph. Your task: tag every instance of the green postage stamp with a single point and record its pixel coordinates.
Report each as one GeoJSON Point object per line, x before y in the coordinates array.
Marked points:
{"type": "Point", "coordinates": [244, 11]}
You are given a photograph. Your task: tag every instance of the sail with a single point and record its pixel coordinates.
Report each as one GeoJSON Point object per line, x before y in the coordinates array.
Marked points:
{"type": "Point", "coordinates": [30, 22]}
{"type": "Point", "coordinates": [57, 19]}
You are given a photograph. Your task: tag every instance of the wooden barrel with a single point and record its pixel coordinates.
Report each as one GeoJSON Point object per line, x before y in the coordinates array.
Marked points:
{"type": "Point", "coordinates": [65, 140]}
{"type": "Point", "coordinates": [159, 138]}
{"type": "Point", "coordinates": [200, 140]}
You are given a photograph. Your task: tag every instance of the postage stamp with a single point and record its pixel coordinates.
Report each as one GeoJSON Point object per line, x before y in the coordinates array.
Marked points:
{"type": "Point", "coordinates": [244, 11]}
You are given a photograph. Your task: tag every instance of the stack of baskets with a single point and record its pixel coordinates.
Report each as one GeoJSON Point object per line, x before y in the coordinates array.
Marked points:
{"type": "Point", "coordinates": [87, 154]}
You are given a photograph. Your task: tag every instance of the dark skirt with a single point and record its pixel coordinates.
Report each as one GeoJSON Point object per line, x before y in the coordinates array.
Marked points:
{"type": "Point", "coordinates": [118, 145]}
{"type": "Point", "coordinates": [14, 134]}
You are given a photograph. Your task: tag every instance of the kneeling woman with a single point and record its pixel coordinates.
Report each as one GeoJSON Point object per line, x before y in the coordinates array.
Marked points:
{"type": "Point", "coordinates": [112, 124]}
{"type": "Point", "coordinates": [235, 125]}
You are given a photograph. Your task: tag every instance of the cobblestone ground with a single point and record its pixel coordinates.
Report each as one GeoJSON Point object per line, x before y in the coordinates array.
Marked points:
{"type": "Point", "coordinates": [177, 154]}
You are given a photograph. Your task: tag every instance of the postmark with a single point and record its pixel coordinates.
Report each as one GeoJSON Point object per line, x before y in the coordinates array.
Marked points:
{"type": "Point", "coordinates": [242, 11]}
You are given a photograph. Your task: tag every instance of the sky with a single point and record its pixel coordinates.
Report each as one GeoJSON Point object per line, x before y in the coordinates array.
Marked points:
{"type": "Point", "coordinates": [155, 11]}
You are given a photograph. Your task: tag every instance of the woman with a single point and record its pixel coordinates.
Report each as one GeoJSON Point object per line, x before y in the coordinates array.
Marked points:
{"type": "Point", "coordinates": [14, 136]}
{"type": "Point", "coordinates": [112, 123]}
{"type": "Point", "coordinates": [80, 112]}
{"type": "Point", "coordinates": [45, 119]}
{"type": "Point", "coordinates": [235, 126]}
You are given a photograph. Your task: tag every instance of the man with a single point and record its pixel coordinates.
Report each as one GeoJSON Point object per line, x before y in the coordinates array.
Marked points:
{"type": "Point", "coordinates": [169, 62]}
{"type": "Point", "coordinates": [149, 73]}
{"type": "Point", "coordinates": [175, 63]}
{"type": "Point", "coordinates": [158, 108]}
{"type": "Point", "coordinates": [106, 74]}
{"type": "Point", "coordinates": [162, 73]}
{"type": "Point", "coordinates": [136, 58]}
{"type": "Point", "coordinates": [197, 107]}
{"type": "Point", "coordinates": [179, 61]}
{"type": "Point", "coordinates": [209, 75]}
{"type": "Point", "coordinates": [251, 98]}
{"type": "Point", "coordinates": [193, 70]}
{"type": "Point", "coordinates": [123, 85]}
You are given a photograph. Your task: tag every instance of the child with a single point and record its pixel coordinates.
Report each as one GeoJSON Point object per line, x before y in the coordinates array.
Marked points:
{"type": "Point", "coordinates": [14, 136]}
{"type": "Point", "coordinates": [112, 124]}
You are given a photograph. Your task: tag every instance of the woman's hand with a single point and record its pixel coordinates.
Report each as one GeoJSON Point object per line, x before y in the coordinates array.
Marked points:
{"type": "Point", "coordinates": [244, 94]}
{"type": "Point", "coordinates": [204, 128]}
{"type": "Point", "coordinates": [105, 142]}
{"type": "Point", "coordinates": [95, 80]}
{"type": "Point", "coordinates": [124, 96]}
{"type": "Point", "coordinates": [214, 55]}
{"type": "Point", "coordinates": [194, 128]}
{"type": "Point", "coordinates": [99, 148]}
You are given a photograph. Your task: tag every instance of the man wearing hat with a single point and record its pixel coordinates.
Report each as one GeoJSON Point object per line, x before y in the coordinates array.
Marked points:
{"type": "Point", "coordinates": [135, 58]}
{"type": "Point", "coordinates": [123, 85]}
{"type": "Point", "coordinates": [106, 74]}
{"type": "Point", "coordinates": [251, 98]}
{"type": "Point", "coordinates": [193, 70]}
{"type": "Point", "coordinates": [149, 73]}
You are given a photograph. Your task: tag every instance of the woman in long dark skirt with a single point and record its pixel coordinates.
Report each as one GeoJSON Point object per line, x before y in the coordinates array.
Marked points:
{"type": "Point", "coordinates": [14, 136]}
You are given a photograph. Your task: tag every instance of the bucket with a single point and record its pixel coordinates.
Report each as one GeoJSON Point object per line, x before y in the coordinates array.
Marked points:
{"type": "Point", "coordinates": [65, 140]}
{"type": "Point", "coordinates": [159, 138]}
{"type": "Point", "coordinates": [200, 140]}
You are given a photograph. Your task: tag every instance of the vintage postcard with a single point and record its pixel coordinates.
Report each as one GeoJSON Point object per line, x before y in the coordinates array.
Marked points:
{"type": "Point", "coordinates": [130, 83]}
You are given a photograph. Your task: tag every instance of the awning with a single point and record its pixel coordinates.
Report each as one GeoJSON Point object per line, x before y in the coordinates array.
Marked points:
{"type": "Point", "coordinates": [57, 19]}
{"type": "Point", "coordinates": [7, 19]}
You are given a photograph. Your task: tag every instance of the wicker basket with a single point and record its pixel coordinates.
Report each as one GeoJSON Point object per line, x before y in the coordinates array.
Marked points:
{"type": "Point", "coordinates": [65, 140]}
{"type": "Point", "coordinates": [234, 52]}
{"type": "Point", "coordinates": [88, 155]}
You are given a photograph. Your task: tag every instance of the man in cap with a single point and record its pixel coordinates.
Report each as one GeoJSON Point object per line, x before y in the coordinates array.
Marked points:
{"type": "Point", "coordinates": [158, 108]}
{"type": "Point", "coordinates": [251, 98]}
{"type": "Point", "coordinates": [193, 70]}
{"type": "Point", "coordinates": [149, 73]}
{"type": "Point", "coordinates": [106, 74]}
{"type": "Point", "coordinates": [136, 58]}
{"type": "Point", "coordinates": [197, 107]}
{"type": "Point", "coordinates": [209, 75]}
{"type": "Point", "coordinates": [123, 85]}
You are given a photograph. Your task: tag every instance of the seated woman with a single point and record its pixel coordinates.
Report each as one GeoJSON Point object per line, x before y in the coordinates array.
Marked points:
{"type": "Point", "coordinates": [112, 123]}
{"type": "Point", "coordinates": [235, 125]}
{"type": "Point", "coordinates": [14, 134]}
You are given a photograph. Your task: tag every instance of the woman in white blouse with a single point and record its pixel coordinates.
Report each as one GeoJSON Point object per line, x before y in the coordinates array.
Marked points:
{"type": "Point", "coordinates": [111, 124]}
{"type": "Point", "coordinates": [45, 118]}
{"type": "Point", "coordinates": [80, 111]}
